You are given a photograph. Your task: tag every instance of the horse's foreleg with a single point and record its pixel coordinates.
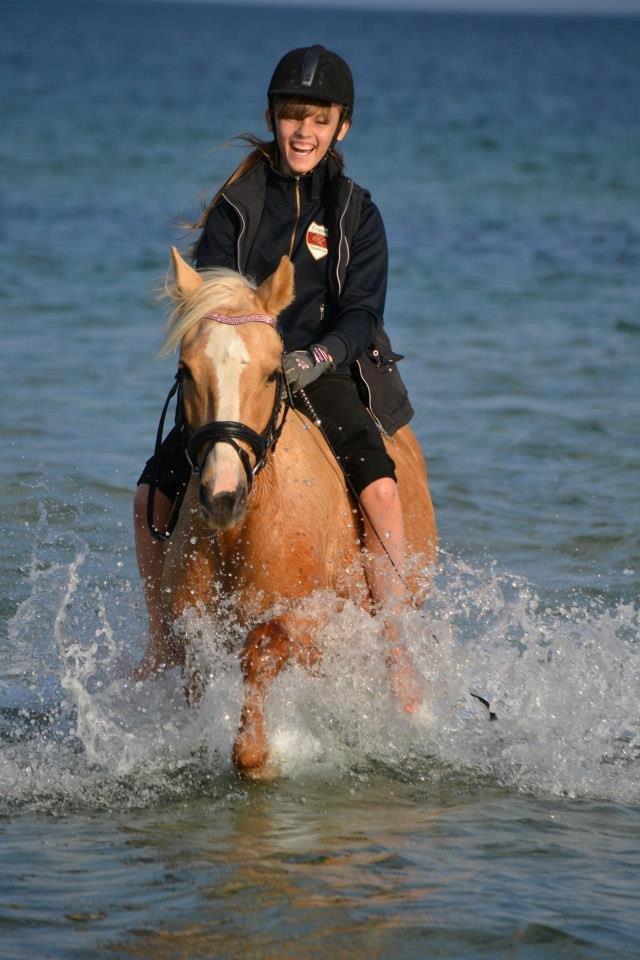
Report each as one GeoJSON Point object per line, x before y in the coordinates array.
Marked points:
{"type": "Point", "coordinates": [189, 581]}
{"type": "Point", "coordinates": [267, 649]}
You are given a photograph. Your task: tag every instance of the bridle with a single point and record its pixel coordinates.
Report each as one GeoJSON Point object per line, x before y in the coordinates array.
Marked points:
{"type": "Point", "coordinates": [230, 431]}
{"type": "Point", "coordinates": [218, 431]}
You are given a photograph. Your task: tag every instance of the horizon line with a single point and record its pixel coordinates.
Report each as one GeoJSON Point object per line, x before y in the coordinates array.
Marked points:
{"type": "Point", "coordinates": [531, 8]}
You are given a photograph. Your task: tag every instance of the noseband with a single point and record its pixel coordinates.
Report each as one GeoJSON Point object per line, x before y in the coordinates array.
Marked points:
{"type": "Point", "coordinates": [218, 431]}
{"type": "Point", "coordinates": [230, 431]}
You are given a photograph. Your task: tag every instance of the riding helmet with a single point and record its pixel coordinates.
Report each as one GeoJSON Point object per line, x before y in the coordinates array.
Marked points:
{"type": "Point", "coordinates": [314, 72]}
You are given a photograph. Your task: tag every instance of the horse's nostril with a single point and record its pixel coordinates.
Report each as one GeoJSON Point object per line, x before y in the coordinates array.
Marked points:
{"type": "Point", "coordinates": [204, 498]}
{"type": "Point", "coordinates": [225, 508]}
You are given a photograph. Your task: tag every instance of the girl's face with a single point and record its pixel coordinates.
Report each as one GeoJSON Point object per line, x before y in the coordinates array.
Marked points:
{"type": "Point", "coordinates": [303, 142]}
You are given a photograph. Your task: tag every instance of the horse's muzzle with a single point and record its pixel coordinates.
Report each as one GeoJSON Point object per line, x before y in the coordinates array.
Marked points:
{"type": "Point", "coordinates": [223, 510]}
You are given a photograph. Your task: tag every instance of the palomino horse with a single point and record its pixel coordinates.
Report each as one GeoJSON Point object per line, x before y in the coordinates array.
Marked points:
{"type": "Point", "coordinates": [266, 541]}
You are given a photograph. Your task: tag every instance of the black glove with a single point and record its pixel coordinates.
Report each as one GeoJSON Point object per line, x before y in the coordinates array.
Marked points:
{"type": "Point", "coordinates": [302, 367]}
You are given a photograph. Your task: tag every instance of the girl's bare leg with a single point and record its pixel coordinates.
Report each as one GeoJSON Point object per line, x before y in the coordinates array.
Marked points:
{"type": "Point", "coordinates": [385, 555]}
{"type": "Point", "coordinates": [161, 652]}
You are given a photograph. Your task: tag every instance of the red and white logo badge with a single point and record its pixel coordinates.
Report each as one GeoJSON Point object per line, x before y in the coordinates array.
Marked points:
{"type": "Point", "coordinates": [317, 240]}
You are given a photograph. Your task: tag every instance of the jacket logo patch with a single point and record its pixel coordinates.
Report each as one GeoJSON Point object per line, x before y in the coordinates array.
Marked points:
{"type": "Point", "coordinates": [317, 240]}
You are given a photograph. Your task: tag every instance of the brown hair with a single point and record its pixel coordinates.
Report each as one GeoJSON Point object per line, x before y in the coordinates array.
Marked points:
{"type": "Point", "coordinates": [293, 108]}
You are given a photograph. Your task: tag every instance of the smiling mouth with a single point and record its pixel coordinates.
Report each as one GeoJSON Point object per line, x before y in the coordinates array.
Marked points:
{"type": "Point", "coordinates": [301, 150]}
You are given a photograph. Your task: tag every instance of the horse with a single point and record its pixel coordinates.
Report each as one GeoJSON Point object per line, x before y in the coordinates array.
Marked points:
{"type": "Point", "coordinates": [261, 470]}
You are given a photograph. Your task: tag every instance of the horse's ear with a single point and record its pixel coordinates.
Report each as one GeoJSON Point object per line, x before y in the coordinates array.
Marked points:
{"type": "Point", "coordinates": [187, 279]}
{"type": "Point", "coordinates": [277, 291]}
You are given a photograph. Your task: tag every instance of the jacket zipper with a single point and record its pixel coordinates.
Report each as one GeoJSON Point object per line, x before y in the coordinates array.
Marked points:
{"type": "Point", "coordinates": [242, 229]}
{"type": "Point", "coordinates": [369, 408]}
{"type": "Point", "coordinates": [341, 238]}
{"type": "Point", "coordinates": [295, 226]}
{"type": "Point", "coordinates": [362, 377]}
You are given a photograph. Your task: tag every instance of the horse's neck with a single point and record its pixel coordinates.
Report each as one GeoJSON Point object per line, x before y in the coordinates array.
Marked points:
{"type": "Point", "coordinates": [284, 496]}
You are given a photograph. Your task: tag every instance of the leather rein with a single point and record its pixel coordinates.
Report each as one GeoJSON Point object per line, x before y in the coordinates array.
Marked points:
{"type": "Point", "coordinates": [218, 431]}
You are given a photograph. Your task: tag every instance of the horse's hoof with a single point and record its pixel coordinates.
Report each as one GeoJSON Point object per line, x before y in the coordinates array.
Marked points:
{"type": "Point", "coordinates": [249, 754]}
{"type": "Point", "coordinates": [267, 771]}
{"type": "Point", "coordinates": [423, 719]}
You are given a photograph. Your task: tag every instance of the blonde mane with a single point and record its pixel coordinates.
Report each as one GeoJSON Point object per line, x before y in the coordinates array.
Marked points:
{"type": "Point", "coordinates": [221, 288]}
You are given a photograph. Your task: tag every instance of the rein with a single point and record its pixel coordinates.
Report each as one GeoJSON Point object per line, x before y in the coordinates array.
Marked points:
{"type": "Point", "coordinates": [157, 534]}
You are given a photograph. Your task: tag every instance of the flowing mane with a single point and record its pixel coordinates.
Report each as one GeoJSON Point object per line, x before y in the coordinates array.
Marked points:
{"type": "Point", "coordinates": [221, 288]}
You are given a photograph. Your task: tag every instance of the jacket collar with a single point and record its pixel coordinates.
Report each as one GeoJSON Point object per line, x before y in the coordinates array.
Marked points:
{"type": "Point", "coordinates": [252, 186]}
{"type": "Point", "coordinates": [311, 185]}
{"type": "Point", "coordinates": [247, 196]}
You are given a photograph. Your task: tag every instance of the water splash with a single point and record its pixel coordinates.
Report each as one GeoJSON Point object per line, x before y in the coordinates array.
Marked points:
{"type": "Point", "coordinates": [76, 731]}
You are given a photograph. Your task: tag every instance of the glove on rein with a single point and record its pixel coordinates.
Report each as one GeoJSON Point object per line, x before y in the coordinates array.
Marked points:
{"type": "Point", "coordinates": [302, 367]}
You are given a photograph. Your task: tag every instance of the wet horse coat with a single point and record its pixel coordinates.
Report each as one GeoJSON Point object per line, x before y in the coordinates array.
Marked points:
{"type": "Point", "coordinates": [295, 530]}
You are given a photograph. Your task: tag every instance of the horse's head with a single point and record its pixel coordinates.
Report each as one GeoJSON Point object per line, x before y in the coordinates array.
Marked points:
{"type": "Point", "coordinates": [231, 358]}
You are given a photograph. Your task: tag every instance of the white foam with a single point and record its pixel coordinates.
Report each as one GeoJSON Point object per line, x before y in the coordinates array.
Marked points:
{"type": "Point", "coordinates": [563, 682]}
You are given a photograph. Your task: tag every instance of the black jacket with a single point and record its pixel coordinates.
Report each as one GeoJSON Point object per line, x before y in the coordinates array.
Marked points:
{"type": "Point", "coordinates": [335, 236]}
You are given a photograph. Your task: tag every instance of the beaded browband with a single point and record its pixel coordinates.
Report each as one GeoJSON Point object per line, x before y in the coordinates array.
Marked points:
{"type": "Point", "coordinates": [245, 318]}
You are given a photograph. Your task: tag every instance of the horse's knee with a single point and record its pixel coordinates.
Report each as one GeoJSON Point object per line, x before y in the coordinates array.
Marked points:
{"type": "Point", "coordinates": [266, 651]}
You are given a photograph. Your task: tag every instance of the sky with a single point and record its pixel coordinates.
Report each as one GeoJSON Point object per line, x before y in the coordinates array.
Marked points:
{"type": "Point", "coordinates": [536, 6]}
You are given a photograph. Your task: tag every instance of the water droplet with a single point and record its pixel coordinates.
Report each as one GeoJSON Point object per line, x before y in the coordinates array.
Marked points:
{"type": "Point", "coordinates": [193, 540]}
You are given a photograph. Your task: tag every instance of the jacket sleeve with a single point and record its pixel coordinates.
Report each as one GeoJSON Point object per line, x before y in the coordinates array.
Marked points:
{"type": "Point", "coordinates": [217, 244]}
{"type": "Point", "coordinates": [361, 302]}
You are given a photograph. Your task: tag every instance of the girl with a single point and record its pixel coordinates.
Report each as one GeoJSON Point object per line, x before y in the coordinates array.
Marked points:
{"type": "Point", "coordinates": [290, 196]}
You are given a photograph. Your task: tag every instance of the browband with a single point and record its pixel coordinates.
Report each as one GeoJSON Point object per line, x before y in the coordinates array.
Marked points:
{"type": "Point", "coordinates": [245, 318]}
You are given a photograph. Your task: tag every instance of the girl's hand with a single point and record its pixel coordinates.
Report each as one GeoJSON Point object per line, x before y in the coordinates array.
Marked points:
{"type": "Point", "coordinates": [302, 367]}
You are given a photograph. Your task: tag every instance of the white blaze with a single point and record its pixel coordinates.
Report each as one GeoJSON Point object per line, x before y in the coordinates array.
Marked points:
{"type": "Point", "coordinates": [229, 356]}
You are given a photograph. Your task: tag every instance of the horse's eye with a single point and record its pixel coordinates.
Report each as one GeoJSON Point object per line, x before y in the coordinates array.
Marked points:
{"type": "Point", "coordinates": [185, 372]}
{"type": "Point", "coordinates": [272, 376]}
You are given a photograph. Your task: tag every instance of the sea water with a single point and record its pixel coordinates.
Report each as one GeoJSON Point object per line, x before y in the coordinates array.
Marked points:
{"type": "Point", "coordinates": [503, 154]}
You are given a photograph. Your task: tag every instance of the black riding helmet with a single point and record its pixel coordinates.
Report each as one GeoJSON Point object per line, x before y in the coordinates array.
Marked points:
{"type": "Point", "coordinates": [317, 73]}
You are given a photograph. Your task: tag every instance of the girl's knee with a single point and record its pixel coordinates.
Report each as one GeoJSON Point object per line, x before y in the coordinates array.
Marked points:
{"type": "Point", "coordinates": [383, 491]}
{"type": "Point", "coordinates": [140, 499]}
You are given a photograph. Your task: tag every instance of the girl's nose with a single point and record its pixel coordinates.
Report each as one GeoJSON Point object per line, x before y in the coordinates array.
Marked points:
{"type": "Point", "coordinates": [304, 127]}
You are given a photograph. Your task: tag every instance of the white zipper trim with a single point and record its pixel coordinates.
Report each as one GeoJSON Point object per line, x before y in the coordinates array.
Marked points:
{"type": "Point", "coordinates": [341, 238]}
{"type": "Point", "coordinates": [242, 229]}
{"type": "Point", "coordinates": [368, 407]}
{"type": "Point", "coordinates": [295, 226]}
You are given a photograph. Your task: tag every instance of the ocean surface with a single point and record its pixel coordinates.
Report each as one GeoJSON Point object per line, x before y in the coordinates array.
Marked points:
{"type": "Point", "coordinates": [504, 154]}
